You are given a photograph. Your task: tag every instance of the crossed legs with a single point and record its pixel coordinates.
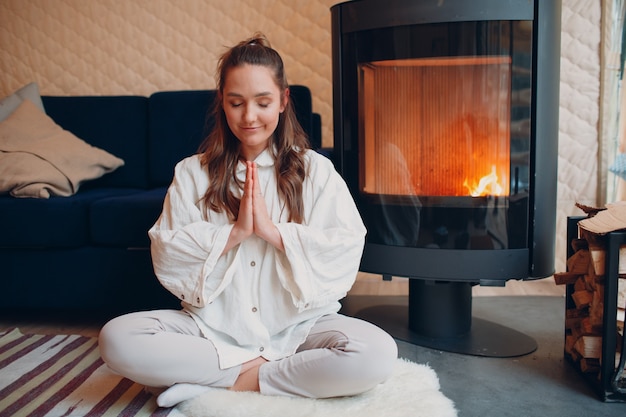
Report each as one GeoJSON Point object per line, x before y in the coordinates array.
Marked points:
{"type": "Point", "coordinates": [164, 348]}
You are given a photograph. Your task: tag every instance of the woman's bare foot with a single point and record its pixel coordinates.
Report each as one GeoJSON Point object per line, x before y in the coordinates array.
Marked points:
{"type": "Point", "coordinates": [248, 379]}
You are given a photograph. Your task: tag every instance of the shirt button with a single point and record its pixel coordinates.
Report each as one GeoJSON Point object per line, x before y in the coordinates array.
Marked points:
{"type": "Point", "coordinates": [254, 309]}
{"type": "Point", "coordinates": [252, 263]}
{"type": "Point", "coordinates": [261, 349]}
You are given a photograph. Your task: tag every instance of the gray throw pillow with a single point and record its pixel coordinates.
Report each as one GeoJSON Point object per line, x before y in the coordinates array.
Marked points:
{"type": "Point", "coordinates": [10, 103]}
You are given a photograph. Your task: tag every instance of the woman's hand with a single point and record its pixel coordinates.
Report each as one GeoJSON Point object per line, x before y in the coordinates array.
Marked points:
{"type": "Point", "coordinates": [253, 216]}
{"type": "Point", "coordinates": [245, 219]}
{"type": "Point", "coordinates": [263, 225]}
{"type": "Point", "coordinates": [244, 225]}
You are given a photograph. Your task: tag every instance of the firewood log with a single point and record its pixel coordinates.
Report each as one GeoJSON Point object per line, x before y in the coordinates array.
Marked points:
{"type": "Point", "coordinates": [578, 263]}
{"type": "Point", "coordinates": [589, 346]}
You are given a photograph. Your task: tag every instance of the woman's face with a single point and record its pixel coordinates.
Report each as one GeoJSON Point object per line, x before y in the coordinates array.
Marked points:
{"type": "Point", "coordinates": [252, 103]}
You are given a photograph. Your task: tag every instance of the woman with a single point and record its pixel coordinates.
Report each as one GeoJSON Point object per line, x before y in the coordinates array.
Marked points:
{"type": "Point", "coordinates": [259, 238]}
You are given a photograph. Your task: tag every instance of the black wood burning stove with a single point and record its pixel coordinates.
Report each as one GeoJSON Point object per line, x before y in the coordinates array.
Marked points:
{"type": "Point", "coordinates": [446, 131]}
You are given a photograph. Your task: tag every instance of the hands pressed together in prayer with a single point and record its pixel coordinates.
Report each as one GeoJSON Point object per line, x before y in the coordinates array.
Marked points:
{"type": "Point", "coordinates": [253, 216]}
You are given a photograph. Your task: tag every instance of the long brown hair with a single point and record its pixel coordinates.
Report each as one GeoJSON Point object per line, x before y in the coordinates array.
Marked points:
{"type": "Point", "coordinates": [288, 144]}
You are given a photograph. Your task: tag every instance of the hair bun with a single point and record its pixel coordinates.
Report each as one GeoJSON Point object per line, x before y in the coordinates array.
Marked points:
{"type": "Point", "coordinates": [257, 39]}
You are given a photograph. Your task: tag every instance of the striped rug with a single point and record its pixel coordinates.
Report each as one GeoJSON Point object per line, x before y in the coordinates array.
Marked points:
{"type": "Point", "coordinates": [63, 376]}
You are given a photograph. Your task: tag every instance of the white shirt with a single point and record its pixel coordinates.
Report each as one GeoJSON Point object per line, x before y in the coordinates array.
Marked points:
{"type": "Point", "coordinates": [256, 300]}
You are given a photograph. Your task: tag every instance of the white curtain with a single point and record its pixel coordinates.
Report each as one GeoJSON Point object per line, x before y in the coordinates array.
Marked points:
{"type": "Point", "coordinates": [612, 128]}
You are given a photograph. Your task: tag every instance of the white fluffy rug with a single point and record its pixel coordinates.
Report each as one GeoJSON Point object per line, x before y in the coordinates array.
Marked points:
{"type": "Point", "coordinates": [413, 390]}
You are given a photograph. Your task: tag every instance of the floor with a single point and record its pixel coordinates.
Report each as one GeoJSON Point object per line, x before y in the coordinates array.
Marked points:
{"type": "Point", "coordinates": [372, 284]}
{"type": "Point", "coordinates": [537, 384]}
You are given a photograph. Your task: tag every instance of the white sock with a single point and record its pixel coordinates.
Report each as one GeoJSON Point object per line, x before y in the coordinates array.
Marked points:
{"type": "Point", "coordinates": [180, 392]}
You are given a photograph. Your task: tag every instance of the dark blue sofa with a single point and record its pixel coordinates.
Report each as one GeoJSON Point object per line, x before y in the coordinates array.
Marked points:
{"type": "Point", "coordinates": [90, 251]}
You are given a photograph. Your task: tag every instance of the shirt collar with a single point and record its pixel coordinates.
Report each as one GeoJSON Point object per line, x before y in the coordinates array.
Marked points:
{"type": "Point", "coordinates": [265, 159]}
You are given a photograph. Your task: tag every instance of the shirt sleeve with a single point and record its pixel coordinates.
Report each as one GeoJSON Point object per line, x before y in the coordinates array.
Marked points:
{"type": "Point", "coordinates": [186, 247]}
{"type": "Point", "coordinates": [322, 255]}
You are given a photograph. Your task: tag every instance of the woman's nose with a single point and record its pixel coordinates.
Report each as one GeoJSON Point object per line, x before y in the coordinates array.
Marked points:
{"type": "Point", "coordinates": [248, 114]}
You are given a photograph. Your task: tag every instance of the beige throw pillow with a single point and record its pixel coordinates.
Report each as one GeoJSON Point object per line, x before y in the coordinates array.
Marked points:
{"type": "Point", "coordinates": [38, 158]}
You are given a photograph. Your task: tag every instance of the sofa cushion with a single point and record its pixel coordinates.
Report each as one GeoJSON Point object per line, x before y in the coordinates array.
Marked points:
{"type": "Point", "coordinates": [316, 131]}
{"type": "Point", "coordinates": [38, 158]}
{"type": "Point", "coordinates": [53, 222]}
{"type": "Point", "coordinates": [117, 124]}
{"type": "Point", "coordinates": [303, 106]}
{"type": "Point", "coordinates": [179, 121]}
{"type": "Point", "coordinates": [124, 220]}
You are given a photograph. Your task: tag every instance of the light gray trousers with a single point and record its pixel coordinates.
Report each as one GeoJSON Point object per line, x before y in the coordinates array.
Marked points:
{"type": "Point", "coordinates": [341, 356]}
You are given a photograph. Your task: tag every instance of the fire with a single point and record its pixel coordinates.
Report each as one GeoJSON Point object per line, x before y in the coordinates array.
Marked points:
{"type": "Point", "coordinates": [487, 185]}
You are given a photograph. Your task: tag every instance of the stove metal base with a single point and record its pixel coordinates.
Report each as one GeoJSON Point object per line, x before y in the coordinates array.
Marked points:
{"type": "Point", "coordinates": [484, 338]}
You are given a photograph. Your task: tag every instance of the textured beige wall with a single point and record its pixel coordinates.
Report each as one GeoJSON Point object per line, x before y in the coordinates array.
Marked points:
{"type": "Point", "coordinates": [103, 47]}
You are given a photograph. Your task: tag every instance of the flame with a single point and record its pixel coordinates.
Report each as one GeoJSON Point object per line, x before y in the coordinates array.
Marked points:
{"type": "Point", "coordinates": [487, 185]}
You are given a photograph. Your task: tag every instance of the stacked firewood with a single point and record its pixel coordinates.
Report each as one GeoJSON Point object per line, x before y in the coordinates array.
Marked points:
{"type": "Point", "coordinates": [584, 318]}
